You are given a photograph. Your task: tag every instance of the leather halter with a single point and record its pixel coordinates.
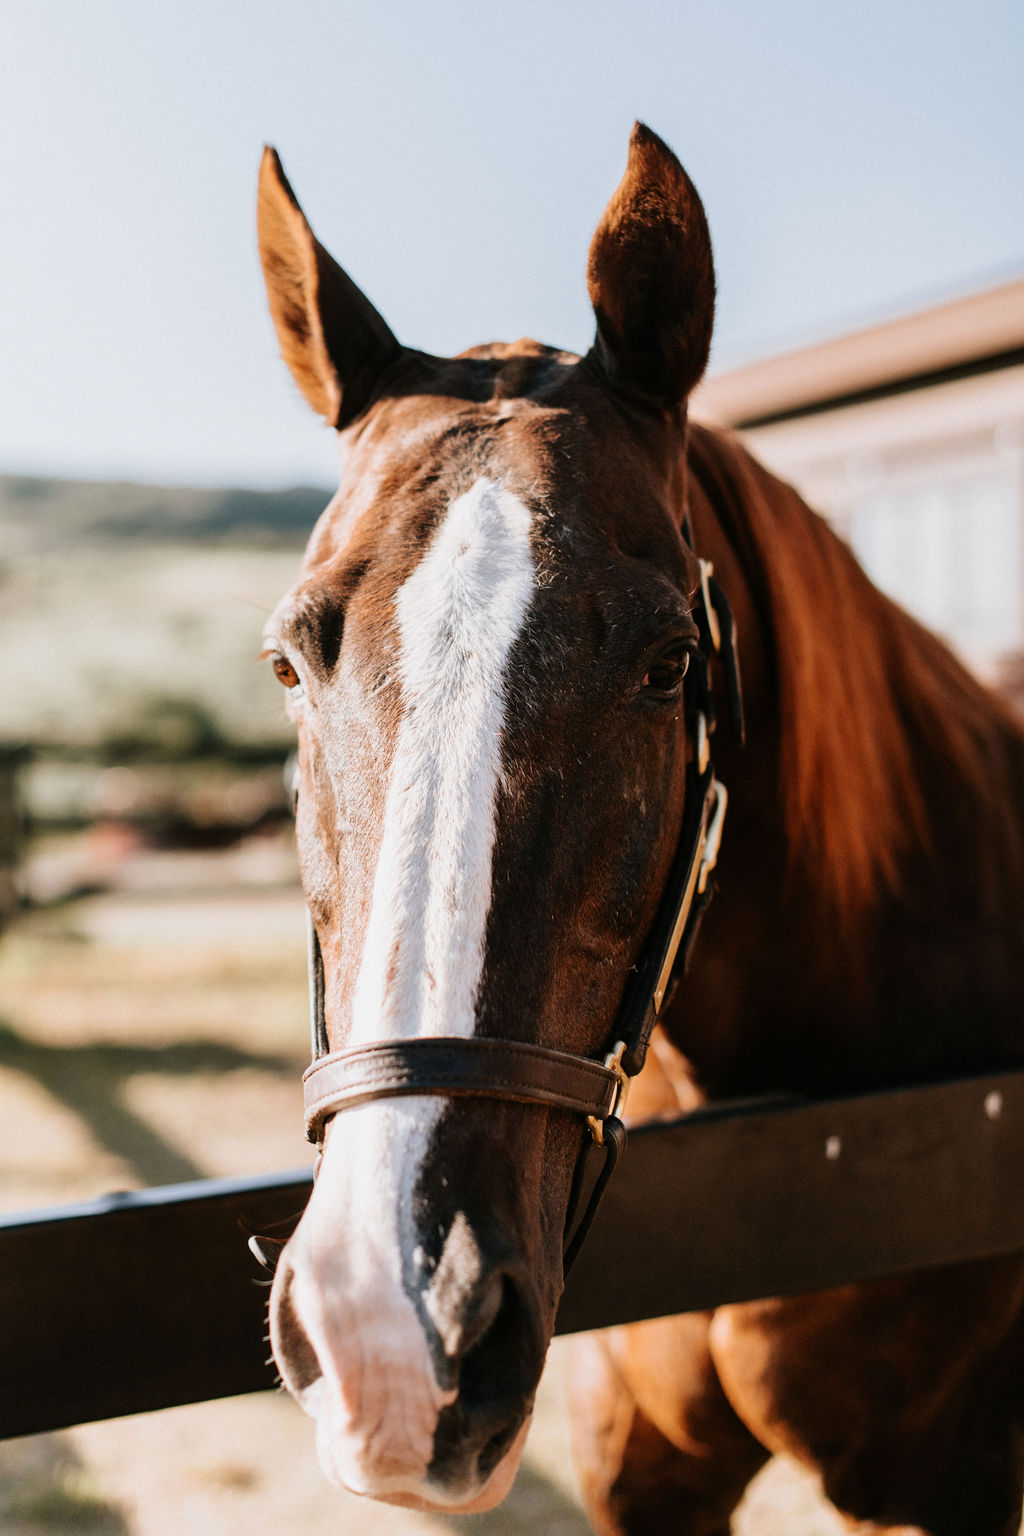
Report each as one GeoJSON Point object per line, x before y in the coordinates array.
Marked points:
{"type": "Point", "coordinates": [535, 1074]}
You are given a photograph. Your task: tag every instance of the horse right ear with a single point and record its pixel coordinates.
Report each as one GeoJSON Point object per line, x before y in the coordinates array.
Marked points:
{"type": "Point", "coordinates": [333, 340]}
{"type": "Point", "coordinates": [652, 280]}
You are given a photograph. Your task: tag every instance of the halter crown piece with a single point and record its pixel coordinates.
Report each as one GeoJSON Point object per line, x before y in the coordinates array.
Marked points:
{"type": "Point", "coordinates": [535, 1074]}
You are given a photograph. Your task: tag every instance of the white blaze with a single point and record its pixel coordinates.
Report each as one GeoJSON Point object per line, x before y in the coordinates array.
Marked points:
{"type": "Point", "coordinates": [459, 615]}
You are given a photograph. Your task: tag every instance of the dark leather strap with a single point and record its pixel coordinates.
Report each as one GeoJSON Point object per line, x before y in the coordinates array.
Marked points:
{"type": "Point", "coordinates": [594, 1167]}
{"type": "Point", "coordinates": [729, 651]}
{"type": "Point", "coordinates": [664, 954]}
{"type": "Point", "coordinates": [318, 1041]}
{"type": "Point", "coordinates": [495, 1069]}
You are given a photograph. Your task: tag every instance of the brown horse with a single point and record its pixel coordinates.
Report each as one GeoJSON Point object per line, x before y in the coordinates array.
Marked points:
{"type": "Point", "coordinates": [485, 657]}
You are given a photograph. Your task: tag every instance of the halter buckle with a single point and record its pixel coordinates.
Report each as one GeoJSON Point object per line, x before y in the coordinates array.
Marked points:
{"type": "Point", "coordinates": [613, 1062]}
{"type": "Point", "coordinates": [713, 835]}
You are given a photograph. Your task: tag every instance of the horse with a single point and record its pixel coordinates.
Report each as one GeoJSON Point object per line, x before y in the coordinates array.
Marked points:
{"type": "Point", "coordinates": [486, 656]}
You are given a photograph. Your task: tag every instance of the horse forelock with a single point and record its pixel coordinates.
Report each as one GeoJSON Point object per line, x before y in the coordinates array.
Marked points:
{"type": "Point", "coordinates": [878, 721]}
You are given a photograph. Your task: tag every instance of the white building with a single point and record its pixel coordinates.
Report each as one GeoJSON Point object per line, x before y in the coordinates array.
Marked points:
{"type": "Point", "coordinates": [910, 437]}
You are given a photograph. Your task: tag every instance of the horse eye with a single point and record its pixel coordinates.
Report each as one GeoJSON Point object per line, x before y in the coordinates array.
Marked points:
{"type": "Point", "coordinates": [285, 672]}
{"type": "Point", "coordinates": [666, 674]}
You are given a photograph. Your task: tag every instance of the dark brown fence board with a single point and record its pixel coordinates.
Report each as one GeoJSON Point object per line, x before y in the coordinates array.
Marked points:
{"type": "Point", "coordinates": [150, 1300]}
{"type": "Point", "coordinates": [742, 1202]}
{"type": "Point", "coordinates": [135, 1302]}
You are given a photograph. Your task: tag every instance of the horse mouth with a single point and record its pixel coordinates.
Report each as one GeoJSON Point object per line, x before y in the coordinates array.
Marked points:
{"type": "Point", "coordinates": [462, 1478]}
{"type": "Point", "coordinates": [455, 1463]}
{"type": "Point", "coordinates": [497, 1465]}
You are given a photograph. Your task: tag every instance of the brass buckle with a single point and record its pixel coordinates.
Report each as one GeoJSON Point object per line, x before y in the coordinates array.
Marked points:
{"type": "Point", "coordinates": [613, 1061]}
{"type": "Point", "coordinates": [713, 835]}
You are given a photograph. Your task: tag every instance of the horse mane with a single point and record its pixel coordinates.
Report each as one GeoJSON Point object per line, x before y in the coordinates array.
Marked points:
{"type": "Point", "coordinates": [882, 730]}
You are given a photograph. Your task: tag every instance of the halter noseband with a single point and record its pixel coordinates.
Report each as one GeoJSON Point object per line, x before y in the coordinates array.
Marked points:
{"type": "Point", "coordinates": [536, 1074]}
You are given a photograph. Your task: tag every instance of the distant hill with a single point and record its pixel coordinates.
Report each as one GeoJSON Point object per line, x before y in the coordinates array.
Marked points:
{"type": "Point", "coordinates": [130, 615]}
{"type": "Point", "coordinates": [44, 513]}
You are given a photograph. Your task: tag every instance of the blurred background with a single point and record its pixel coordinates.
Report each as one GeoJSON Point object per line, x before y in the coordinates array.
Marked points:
{"type": "Point", "coordinates": [159, 475]}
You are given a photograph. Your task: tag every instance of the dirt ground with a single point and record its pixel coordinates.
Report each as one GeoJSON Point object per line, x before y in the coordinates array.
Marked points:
{"type": "Point", "coordinates": [153, 1032]}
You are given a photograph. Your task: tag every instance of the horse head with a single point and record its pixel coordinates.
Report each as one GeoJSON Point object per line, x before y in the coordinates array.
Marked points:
{"type": "Point", "coordinates": [484, 658]}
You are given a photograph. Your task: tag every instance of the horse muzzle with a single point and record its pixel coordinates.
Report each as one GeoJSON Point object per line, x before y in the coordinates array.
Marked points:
{"type": "Point", "coordinates": [416, 1353]}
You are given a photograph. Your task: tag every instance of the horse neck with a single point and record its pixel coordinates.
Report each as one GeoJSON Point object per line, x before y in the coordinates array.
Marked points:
{"type": "Point", "coordinates": [869, 919]}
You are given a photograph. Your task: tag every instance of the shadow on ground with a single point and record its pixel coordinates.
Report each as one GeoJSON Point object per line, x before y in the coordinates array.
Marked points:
{"type": "Point", "coordinates": [44, 1485]}
{"type": "Point", "coordinates": [534, 1504]}
{"type": "Point", "coordinates": [87, 1079]}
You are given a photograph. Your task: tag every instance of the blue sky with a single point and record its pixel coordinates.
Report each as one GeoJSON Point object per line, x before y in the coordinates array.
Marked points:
{"type": "Point", "coordinates": [856, 159]}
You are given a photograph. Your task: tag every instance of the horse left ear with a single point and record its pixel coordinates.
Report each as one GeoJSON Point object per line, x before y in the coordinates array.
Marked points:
{"type": "Point", "coordinates": [333, 340]}
{"type": "Point", "coordinates": [651, 279]}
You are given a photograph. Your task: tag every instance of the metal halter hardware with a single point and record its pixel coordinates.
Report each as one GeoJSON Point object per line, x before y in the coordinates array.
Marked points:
{"type": "Point", "coordinates": [534, 1074]}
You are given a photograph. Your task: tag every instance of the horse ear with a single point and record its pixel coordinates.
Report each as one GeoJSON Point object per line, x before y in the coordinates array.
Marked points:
{"type": "Point", "coordinates": [651, 278]}
{"type": "Point", "coordinates": [333, 340]}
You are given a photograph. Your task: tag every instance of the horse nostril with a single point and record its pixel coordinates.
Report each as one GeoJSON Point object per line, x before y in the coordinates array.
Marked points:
{"type": "Point", "coordinates": [293, 1352]}
{"type": "Point", "coordinates": [471, 1323]}
{"type": "Point", "coordinates": [481, 1313]}
{"type": "Point", "coordinates": [496, 1373]}
{"type": "Point", "coordinates": [498, 1356]}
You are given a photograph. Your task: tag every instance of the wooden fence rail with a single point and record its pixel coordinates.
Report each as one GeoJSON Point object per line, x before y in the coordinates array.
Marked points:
{"type": "Point", "coordinates": [149, 1300]}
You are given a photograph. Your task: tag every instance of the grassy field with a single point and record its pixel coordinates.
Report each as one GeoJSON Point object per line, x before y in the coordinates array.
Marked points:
{"type": "Point", "coordinates": [125, 607]}
{"type": "Point", "coordinates": [153, 1032]}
